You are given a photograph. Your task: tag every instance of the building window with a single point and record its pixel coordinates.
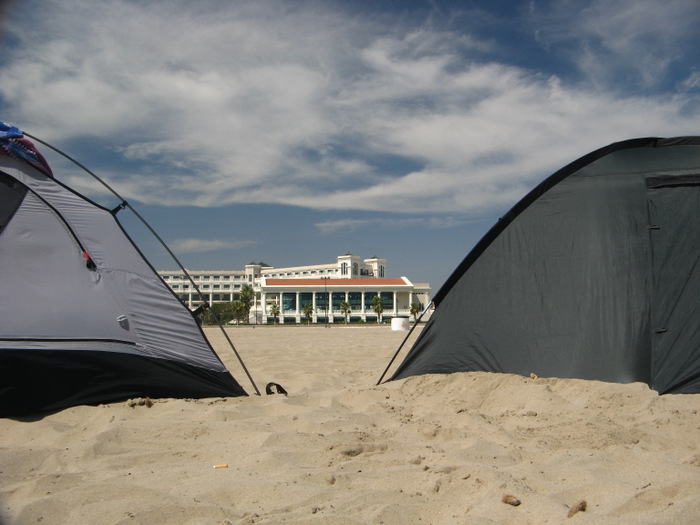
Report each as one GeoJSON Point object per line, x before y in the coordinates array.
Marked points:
{"type": "Point", "coordinates": [305, 298]}
{"type": "Point", "coordinates": [289, 301]}
{"type": "Point", "coordinates": [355, 300]}
{"type": "Point", "coordinates": [321, 299]}
{"type": "Point", "coordinates": [388, 300]}
{"type": "Point", "coordinates": [344, 269]}
{"type": "Point", "coordinates": [336, 299]}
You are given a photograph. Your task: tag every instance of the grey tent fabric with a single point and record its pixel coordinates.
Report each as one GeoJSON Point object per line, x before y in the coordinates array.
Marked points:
{"type": "Point", "coordinates": [595, 274]}
{"type": "Point", "coordinates": [84, 318]}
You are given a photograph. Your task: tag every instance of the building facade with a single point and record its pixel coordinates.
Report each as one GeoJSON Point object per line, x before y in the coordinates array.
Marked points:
{"type": "Point", "coordinates": [325, 287]}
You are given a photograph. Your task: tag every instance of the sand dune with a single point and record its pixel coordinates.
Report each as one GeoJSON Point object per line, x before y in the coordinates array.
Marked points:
{"type": "Point", "coordinates": [339, 450]}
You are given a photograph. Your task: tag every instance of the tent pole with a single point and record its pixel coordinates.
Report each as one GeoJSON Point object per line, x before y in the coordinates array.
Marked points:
{"type": "Point", "coordinates": [125, 204]}
{"type": "Point", "coordinates": [404, 342]}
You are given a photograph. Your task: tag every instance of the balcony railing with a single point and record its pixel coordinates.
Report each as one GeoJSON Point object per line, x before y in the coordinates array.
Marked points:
{"type": "Point", "coordinates": [339, 313]}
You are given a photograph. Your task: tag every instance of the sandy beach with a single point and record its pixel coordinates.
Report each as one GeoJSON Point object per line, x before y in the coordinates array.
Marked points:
{"type": "Point", "coordinates": [467, 448]}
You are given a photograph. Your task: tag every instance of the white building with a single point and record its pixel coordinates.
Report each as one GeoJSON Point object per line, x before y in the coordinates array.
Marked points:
{"type": "Point", "coordinates": [323, 286]}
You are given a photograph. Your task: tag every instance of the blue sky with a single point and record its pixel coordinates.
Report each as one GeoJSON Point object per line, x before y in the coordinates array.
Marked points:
{"type": "Point", "coordinates": [295, 131]}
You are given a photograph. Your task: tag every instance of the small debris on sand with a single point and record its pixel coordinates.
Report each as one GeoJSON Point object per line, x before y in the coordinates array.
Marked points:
{"type": "Point", "coordinates": [578, 507]}
{"type": "Point", "coordinates": [511, 500]}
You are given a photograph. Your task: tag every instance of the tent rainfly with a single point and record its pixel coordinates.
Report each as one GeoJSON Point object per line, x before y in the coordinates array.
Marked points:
{"type": "Point", "coordinates": [595, 274]}
{"type": "Point", "coordinates": [84, 318]}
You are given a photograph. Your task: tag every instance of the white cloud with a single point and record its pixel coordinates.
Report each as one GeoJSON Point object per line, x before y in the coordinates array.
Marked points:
{"type": "Point", "coordinates": [692, 82]}
{"type": "Point", "coordinates": [197, 245]}
{"type": "Point", "coordinates": [623, 44]}
{"type": "Point", "coordinates": [270, 102]}
{"type": "Point", "coordinates": [350, 225]}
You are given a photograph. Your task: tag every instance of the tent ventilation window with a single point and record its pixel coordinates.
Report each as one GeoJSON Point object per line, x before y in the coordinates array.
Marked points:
{"type": "Point", "coordinates": [11, 195]}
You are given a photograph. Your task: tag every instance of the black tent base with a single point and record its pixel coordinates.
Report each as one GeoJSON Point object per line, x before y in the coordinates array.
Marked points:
{"type": "Point", "coordinates": [64, 378]}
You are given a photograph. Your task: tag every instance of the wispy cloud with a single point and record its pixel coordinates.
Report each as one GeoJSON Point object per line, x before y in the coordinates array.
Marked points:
{"type": "Point", "coordinates": [626, 45]}
{"type": "Point", "coordinates": [423, 223]}
{"type": "Point", "coordinates": [181, 246]}
{"type": "Point", "coordinates": [212, 103]}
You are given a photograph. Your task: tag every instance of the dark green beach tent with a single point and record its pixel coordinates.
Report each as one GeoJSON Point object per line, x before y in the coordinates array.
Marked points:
{"type": "Point", "coordinates": [595, 274]}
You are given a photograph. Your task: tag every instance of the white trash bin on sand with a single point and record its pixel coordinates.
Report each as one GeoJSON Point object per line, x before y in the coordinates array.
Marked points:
{"type": "Point", "coordinates": [399, 324]}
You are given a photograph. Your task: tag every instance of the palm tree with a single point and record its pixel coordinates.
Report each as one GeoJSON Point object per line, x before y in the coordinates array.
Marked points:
{"type": "Point", "coordinates": [275, 311]}
{"type": "Point", "coordinates": [345, 308]}
{"type": "Point", "coordinates": [246, 299]}
{"type": "Point", "coordinates": [308, 310]}
{"type": "Point", "coordinates": [378, 307]}
{"type": "Point", "coordinates": [218, 313]}
{"type": "Point", "coordinates": [238, 311]}
{"type": "Point", "coordinates": [415, 310]}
